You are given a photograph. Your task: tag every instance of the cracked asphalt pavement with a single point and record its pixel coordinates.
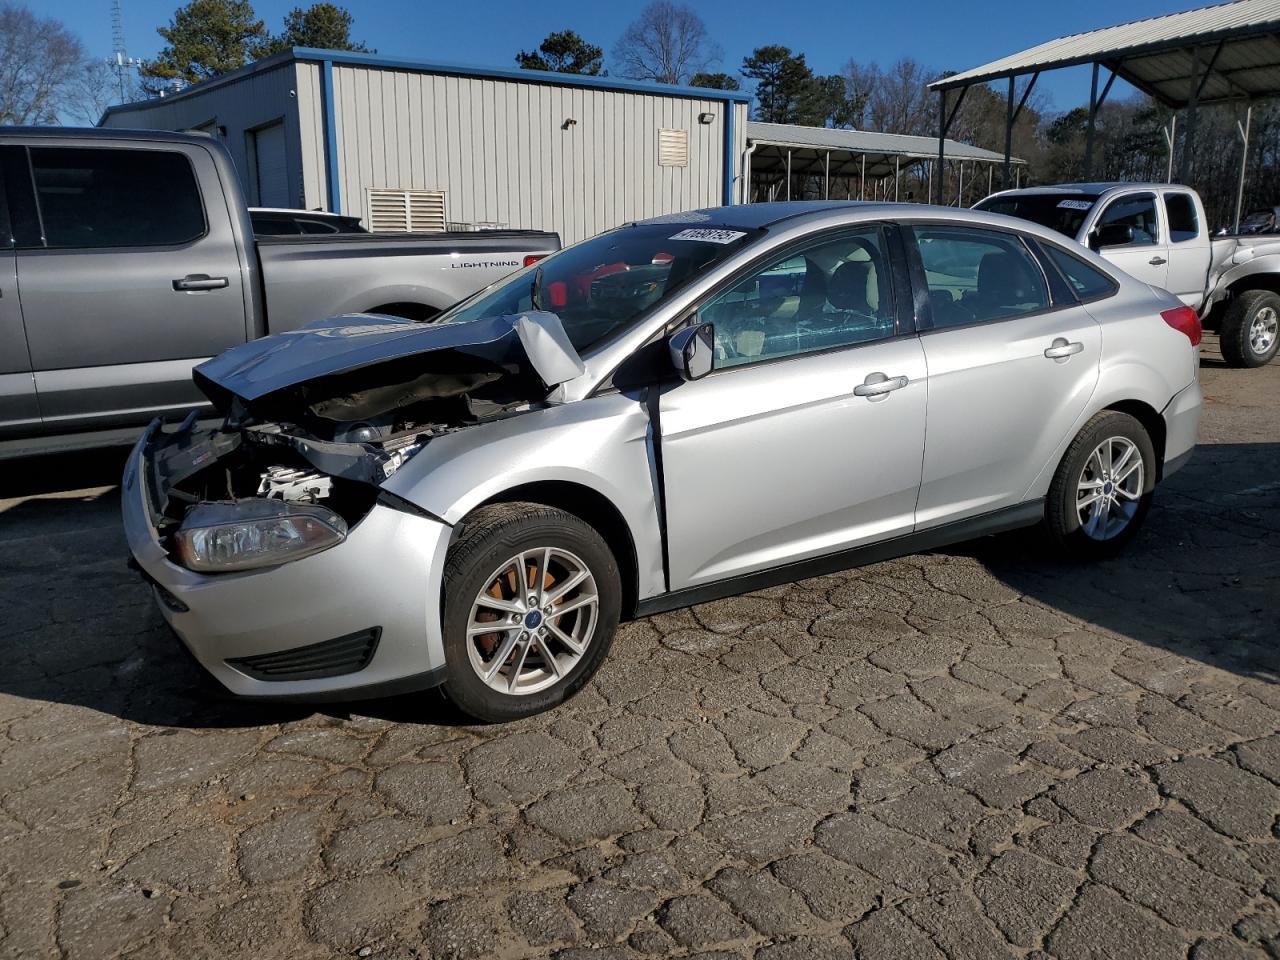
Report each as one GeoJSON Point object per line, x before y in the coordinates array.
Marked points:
{"type": "Point", "coordinates": [980, 752]}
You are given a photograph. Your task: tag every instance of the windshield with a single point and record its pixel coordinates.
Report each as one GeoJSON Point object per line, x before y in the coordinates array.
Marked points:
{"type": "Point", "coordinates": [1064, 212]}
{"type": "Point", "coordinates": [600, 286]}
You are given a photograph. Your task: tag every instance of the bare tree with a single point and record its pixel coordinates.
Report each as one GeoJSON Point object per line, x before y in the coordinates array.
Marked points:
{"type": "Point", "coordinates": [42, 66]}
{"type": "Point", "coordinates": [667, 43]}
{"type": "Point", "coordinates": [899, 102]}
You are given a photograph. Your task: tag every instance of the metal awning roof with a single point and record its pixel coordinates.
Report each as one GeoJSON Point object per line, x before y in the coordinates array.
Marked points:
{"type": "Point", "coordinates": [1226, 52]}
{"type": "Point", "coordinates": [809, 146]}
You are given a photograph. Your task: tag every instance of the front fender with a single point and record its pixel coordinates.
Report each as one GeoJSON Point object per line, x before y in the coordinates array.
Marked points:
{"type": "Point", "coordinates": [602, 444]}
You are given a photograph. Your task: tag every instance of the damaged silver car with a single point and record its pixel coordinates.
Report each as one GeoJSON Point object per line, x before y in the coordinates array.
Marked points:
{"type": "Point", "coordinates": [677, 410]}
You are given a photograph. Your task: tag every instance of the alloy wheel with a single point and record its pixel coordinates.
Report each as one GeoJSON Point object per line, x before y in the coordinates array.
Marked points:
{"type": "Point", "coordinates": [1263, 330]}
{"type": "Point", "coordinates": [532, 621]}
{"type": "Point", "coordinates": [1110, 487]}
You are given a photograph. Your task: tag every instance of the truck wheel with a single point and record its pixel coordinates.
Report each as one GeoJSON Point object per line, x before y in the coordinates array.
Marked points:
{"type": "Point", "coordinates": [531, 602]}
{"type": "Point", "coordinates": [1102, 489]}
{"type": "Point", "coordinates": [1251, 329]}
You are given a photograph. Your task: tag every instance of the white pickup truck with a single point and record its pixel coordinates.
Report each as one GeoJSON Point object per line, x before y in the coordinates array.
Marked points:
{"type": "Point", "coordinates": [1157, 233]}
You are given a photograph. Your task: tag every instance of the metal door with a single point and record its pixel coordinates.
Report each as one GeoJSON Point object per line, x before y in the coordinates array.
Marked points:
{"type": "Point", "coordinates": [271, 180]}
{"type": "Point", "coordinates": [137, 280]}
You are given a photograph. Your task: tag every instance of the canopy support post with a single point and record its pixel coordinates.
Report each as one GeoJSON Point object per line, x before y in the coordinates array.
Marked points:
{"type": "Point", "coordinates": [897, 176]}
{"type": "Point", "coordinates": [1008, 136]}
{"type": "Point", "coordinates": [1193, 104]}
{"type": "Point", "coordinates": [788, 173]}
{"type": "Point", "coordinates": [1243, 130]}
{"type": "Point", "coordinates": [1171, 139]}
{"type": "Point", "coordinates": [862, 180]}
{"type": "Point", "coordinates": [960, 197]}
{"type": "Point", "coordinates": [1096, 100]}
{"type": "Point", "coordinates": [826, 178]}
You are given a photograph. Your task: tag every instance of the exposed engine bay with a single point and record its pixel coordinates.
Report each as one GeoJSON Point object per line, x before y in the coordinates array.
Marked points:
{"type": "Point", "coordinates": [316, 420]}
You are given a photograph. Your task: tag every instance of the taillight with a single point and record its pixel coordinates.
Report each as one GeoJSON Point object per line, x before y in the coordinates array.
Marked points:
{"type": "Point", "coordinates": [1184, 320]}
{"type": "Point", "coordinates": [531, 258]}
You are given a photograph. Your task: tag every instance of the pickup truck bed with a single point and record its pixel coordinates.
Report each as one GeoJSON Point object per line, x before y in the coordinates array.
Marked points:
{"type": "Point", "coordinates": [127, 257]}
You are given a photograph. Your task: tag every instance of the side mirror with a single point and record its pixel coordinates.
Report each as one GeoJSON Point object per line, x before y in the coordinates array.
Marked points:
{"type": "Point", "coordinates": [692, 350]}
{"type": "Point", "coordinates": [1111, 235]}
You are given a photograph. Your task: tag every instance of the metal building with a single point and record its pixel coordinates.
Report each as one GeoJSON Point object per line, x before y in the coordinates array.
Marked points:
{"type": "Point", "coordinates": [425, 146]}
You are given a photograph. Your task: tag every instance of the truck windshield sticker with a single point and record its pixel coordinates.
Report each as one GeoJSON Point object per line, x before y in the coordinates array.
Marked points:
{"type": "Point", "coordinates": [708, 235]}
{"type": "Point", "coordinates": [1075, 204]}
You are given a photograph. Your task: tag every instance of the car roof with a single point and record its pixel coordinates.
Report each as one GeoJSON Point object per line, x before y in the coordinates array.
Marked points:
{"type": "Point", "coordinates": [104, 133]}
{"type": "Point", "coordinates": [1090, 189]}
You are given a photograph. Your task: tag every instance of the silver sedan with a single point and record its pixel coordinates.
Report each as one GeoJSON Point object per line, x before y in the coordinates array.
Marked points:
{"type": "Point", "coordinates": [680, 409]}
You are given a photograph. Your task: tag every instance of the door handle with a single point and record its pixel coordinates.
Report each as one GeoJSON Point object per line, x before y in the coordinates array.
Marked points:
{"type": "Point", "coordinates": [1157, 261]}
{"type": "Point", "coordinates": [1061, 349]}
{"type": "Point", "coordinates": [877, 386]}
{"type": "Point", "coordinates": [200, 281]}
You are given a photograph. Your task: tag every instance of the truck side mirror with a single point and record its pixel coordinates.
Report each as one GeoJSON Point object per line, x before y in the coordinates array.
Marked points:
{"type": "Point", "coordinates": [692, 350]}
{"type": "Point", "coordinates": [1111, 235]}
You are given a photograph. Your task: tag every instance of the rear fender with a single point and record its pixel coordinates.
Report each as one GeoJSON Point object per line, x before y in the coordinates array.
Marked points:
{"type": "Point", "coordinates": [1117, 383]}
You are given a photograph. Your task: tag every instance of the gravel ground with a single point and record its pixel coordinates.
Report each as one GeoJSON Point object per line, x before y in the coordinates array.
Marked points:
{"type": "Point", "coordinates": [979, 752]}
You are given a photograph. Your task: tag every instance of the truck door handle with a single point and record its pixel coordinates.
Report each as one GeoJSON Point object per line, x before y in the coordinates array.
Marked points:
{"type": "Point", "coordinates": [1157, 261]}
{"type": "Point", "coordinates": [877, 386]}
{"type": "Point", "coordinates": [1061, 349]}
{"type": "Point", "coordinates": [200, 281]}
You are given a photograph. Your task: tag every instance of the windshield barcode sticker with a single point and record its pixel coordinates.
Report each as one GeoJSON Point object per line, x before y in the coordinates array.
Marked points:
{"type": "Point", "coordinates": [1075, 204]}
{"type": "Point", "coordinates": [708, 235]}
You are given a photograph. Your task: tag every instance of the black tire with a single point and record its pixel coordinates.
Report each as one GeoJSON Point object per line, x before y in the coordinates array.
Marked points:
{"type": "Point", "coordinates": [1062, 517]}
{"type": "Point", "coordinates": [1237, 324]}
{"type": "Point", "coordinates": [489, 537]}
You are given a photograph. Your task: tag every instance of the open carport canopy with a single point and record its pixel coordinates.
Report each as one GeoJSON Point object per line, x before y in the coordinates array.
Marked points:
{"type": "Point", "coordinates": [1209, 55]}
{"type": "Point", "coordinates": [812, 149]}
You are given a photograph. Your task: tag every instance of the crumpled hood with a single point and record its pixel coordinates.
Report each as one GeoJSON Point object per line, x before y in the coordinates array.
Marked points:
{"type": "Point", "coordinates": [534, 341]}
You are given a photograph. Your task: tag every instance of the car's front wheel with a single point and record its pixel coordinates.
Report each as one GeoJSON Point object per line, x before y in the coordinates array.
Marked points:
{"type": "Point", "coordinates": [531, 602]}
{"type": "Point", "coordinates": [1102, 489]}
{"type": "Point", "coordinates": [1250, 334]}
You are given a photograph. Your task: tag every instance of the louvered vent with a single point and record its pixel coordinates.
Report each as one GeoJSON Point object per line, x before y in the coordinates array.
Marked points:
{"type": "Point", "coordinates": [673, 148]}
{"type": "Point", "coordinates": [405, 211]}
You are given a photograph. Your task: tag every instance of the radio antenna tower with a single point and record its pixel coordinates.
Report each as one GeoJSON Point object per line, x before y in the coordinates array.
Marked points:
{"type": "Point", "coordinates": [120, 61]}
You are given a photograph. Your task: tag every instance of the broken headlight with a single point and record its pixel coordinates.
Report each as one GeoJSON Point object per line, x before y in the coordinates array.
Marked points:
{"type": "Point", "coordinates": [242, 534]}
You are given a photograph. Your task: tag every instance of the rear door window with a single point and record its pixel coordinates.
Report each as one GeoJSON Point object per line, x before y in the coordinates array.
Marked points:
{"type": "Point", "coordinates": [1138, 212]}
{"type": "Point", "coordinates": [1088, 281]}
{"type": "Point", "coordinates": [91, 197]}
{"type": "Point", "coordinates": [975, 276]}
{"type": "Point", "coordinates": [1180, 210]}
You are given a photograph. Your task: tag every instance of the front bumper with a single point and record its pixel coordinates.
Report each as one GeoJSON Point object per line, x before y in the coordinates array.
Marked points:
{"type": "Point", "coordinates": [386, 574]}
{"type": "Point", "coordinates": [1181, 423]}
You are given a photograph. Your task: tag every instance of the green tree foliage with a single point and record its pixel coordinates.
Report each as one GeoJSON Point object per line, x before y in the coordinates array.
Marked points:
{"type": "Point", "coordinates": [206, 38]}
{"type": "Point", "coordinates": [564, 52]}
{"type": "Point", "coordinates": [788, 91]}
{"type": "Point", "coordinates": [324, 26]}
{"type": "Point", "coordinates": [715, 81]}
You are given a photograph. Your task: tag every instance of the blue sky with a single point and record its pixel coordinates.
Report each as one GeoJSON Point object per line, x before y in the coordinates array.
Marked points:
{"type": "Point", "coordinates": [938, 33]}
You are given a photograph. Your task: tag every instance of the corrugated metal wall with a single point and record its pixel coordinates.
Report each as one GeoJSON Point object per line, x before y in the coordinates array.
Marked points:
{"type": "Point", "coordinates": [311, 135]}
{"type": "Point", "coordinates": [254, 100]}
{"type": "Point", "coordinates": [502, 152]}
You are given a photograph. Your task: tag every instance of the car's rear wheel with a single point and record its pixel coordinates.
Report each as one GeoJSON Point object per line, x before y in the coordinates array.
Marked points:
{"type": "Point", "coordinates": [1103, 487]}
{"type": "Point", "coordinates": [531, 602]}
{"type": "Point", "coordinates": [1250, 334]}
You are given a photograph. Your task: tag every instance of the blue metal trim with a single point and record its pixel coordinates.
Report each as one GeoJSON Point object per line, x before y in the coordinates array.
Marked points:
{"type": "Point", "coordinates": [454, 69]}
{"type": "Point", "coordinates": [514, 73]}
{"type": "Point", "coordinates": [729, 153]}
{"type": "Point", "coordinates": [331, 168]}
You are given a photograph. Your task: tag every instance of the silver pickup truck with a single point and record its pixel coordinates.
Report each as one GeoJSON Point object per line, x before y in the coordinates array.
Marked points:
{"type": "Point", "coordinates": [1157, 232]}
{"type": "Point", "coordinates": [127, 257]}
